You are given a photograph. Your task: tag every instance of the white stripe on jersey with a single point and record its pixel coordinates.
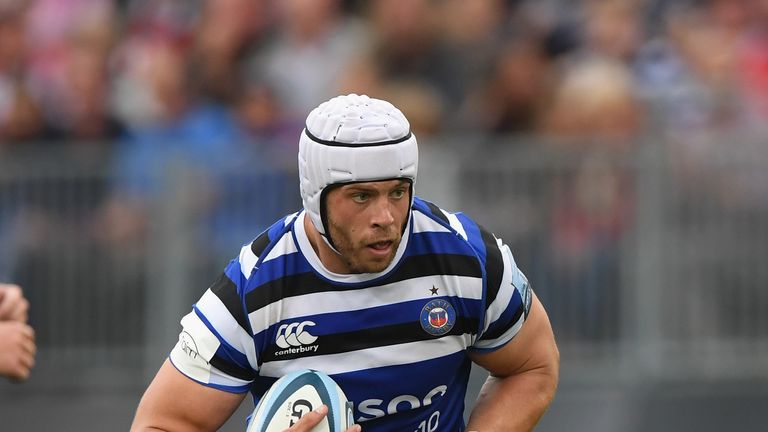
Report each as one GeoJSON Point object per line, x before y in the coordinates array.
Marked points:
{"type": "Point", "coordinates": [370, 358]}
{"type": "Point", "coordinates": [222, 320]}
{"type": "Point", "coordinates": [504, 338]}
{"type": "Point", "coordinates": [220, 378]}
{"type": "Point", "coordinates": [247, 260]}
{"type": "Point", "coordinates": [382, 295]}
{"type": "Point", "coordinates": [193, 354]}
{"type": "Point", "coordinates": [501, 302]}
{"type": "Point", "coordinates": [423, 223]}
{"type": "Point", "coordinates": [284, 246]}
{"type": "Point", "coordinates": [290, 218]}
{"type": "Point", "coordinates": [456, 224]}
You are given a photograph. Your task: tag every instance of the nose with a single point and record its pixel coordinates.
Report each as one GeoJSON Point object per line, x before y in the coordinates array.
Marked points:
{"type": "Point", "coordinates": [382, 213]}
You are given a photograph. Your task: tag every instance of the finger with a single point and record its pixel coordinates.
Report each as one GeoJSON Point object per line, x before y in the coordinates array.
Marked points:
{"type": "Point", "coordinates": [28, 331]}
{"type": "Point", "coordinates": [27, 361]}
{"type": "Point", "coordinates": [21, 311]}
{"type": "Point", "coordinates": [6, 307]}
{"type": "Point", "coordinates": [21, 336]}
{"type": "Point", "coordinates": [18, 369]}
{"type": "Point", "coordinates": [24, 374]}
{"type": "Point", "coordinates": [20, 373]}
{"type": "Point", "coordinates": [309, 420]}
{"type": "Point", "coordinates": [29, 346]}
{"type": "Point", "coordinates": [10, 301]}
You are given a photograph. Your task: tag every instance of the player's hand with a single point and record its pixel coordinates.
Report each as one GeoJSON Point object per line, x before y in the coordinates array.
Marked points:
{"type": "Point", "coordinates": [17, 350]}
{"type": "Point", "coordinates": [311, 419]}
{"type": "Point", "coordinates": [13, 305]}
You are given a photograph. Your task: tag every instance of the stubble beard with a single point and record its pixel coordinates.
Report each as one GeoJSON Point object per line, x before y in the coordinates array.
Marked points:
{"type": "Point", "coordinates": [351, 253]}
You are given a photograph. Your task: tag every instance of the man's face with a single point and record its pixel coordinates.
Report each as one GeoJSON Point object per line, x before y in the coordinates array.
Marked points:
{"type": "Point", "coordinates": [365, 222]}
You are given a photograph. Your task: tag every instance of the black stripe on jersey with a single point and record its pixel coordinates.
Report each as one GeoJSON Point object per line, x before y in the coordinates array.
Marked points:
{"type": "Point", "coordinates": [496, 333]}
{"type": "Point", "coordinates": [231, 369]}
{"type": "Point", "coordinates": [226, 291]}
{"type": "Point", "coordinates": [368, 338]}
{"type": "Point", "coordinates": [437, 212]}
{"type": "Point", "coordinates": [261, 243]}
{"type": "Point", "coordinates": [494, 266]}
{"type": "Point", "coordinates": [410, 268]}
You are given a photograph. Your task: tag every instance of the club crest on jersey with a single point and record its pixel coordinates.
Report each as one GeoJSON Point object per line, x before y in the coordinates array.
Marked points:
{"type": "Point", "coordinates": [438, 317]}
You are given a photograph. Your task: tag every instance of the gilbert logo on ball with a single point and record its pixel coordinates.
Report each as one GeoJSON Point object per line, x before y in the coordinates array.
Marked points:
{"type": "Point", "coordinates": [296, 394]}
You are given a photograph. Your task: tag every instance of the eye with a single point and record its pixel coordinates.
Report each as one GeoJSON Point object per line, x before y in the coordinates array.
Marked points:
{"type": "Point", "coordinates": [398, 193]}
{"type": "Point", "coordinates": [360, 197]}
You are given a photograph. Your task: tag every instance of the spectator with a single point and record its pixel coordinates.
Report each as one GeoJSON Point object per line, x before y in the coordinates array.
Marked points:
{"type": "Point", "coordinates": [67, 46]}
{"type": "Point", "coordinates": [226, 31]}
{"type": "Point", "coordinates": [513, 97]}
{"type": "Point", "coordinates": [23, 120]}
{"type": "Point", "coordinates": [596, 118]}
{"type": "Point", "coordinates": [595, 100]}
{"type": "Point", "coordinates": [313, 44]}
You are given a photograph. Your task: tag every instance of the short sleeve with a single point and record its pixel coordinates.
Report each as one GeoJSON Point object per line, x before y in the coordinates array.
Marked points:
{"type": "Point", "coordinates": [507, 298]}
{"type": "Point", "coordinates": [215, 347]}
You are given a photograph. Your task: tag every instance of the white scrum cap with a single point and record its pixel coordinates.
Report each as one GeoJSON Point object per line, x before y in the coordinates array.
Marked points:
{"type": "Point", "coordinates": [349, 139]}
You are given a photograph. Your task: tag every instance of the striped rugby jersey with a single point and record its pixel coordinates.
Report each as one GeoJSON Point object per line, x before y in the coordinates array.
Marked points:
{"type": "Point", "coordinates": [396, 341]}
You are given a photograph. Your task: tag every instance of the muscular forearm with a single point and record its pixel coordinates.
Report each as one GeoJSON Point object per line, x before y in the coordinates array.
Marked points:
{"type": "Point", "coordinates": [515, 403]}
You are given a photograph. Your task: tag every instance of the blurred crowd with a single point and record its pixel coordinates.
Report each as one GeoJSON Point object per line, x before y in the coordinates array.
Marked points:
{"type": "Point", "coordinates": [223, 87]}
{"type": "Point", "coordinates": [99, 70]}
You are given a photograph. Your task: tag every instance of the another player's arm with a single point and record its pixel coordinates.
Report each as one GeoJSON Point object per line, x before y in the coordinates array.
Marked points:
{"type": "Point", "coordinates": [173, 402]}
{"type": "Point", "coordinates": [524, 375]}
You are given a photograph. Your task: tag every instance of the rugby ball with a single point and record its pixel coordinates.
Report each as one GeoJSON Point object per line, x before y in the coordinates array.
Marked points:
{"type": "Point", "coordinates": [296, 394]}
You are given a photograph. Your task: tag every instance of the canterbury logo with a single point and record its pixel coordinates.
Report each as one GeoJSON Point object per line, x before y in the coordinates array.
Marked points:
{"type": "Point", "coordinates": [294, 335]}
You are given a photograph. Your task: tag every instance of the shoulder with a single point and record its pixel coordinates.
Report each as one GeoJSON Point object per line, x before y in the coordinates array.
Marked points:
{"type": "Point", "coordinates": [493, 254]}
{"type": "Point", "coordinates": [428, 216]}
{"type": "Point", "coordinates": [255, 251]}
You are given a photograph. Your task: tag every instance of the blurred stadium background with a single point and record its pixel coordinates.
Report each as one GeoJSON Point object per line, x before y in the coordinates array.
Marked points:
{"type": "Point", "coordinates": [619, 147]}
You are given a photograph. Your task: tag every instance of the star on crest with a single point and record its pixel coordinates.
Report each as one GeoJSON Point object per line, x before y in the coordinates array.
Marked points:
{"type": "Point", "coordinates": [433, 290]}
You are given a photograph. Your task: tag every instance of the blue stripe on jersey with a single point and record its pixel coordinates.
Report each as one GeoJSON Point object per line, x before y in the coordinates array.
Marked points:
{"type": "Point", "coordinates": [279, 228]}
{"type": "Point", "coordinates": [428, 242]}
{"type": "Point", "coordinates": [234, 273]}
{"type": "Point", "coordinates": [264, 242]}
{"type": "Point", "coordinates": [474, 237]}
{"type": "Point", "coordinates": [280, 267]}
{"type": "Point", "coordinates": [225, 350]}
{"type": "Point", "coordinates": [229, 389]}
{"type": "Point", "coordinates": [396, 313]}
{"type": "Point", "coordinates": [507, 319]}
{"type": "Point", "coordinates": [434, 211]}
